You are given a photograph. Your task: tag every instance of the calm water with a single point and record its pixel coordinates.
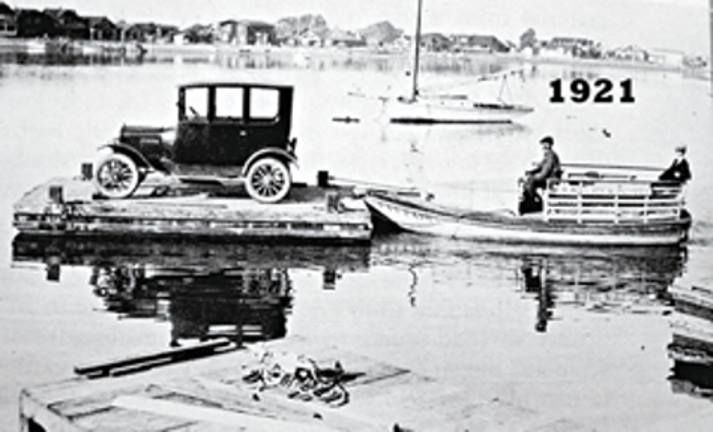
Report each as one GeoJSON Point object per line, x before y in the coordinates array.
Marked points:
{"type": "Point", "coordinates": [570, 332]}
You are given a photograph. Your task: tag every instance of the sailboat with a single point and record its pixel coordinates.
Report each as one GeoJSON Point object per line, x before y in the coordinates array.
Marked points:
{"type": "Point", "coordinates": [418, 108]}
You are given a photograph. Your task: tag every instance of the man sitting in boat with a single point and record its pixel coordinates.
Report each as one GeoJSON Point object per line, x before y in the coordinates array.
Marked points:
{"type": "Point", "coordinates": [536, 178]}
{"type": "Point", "coordinates": [679, 170]}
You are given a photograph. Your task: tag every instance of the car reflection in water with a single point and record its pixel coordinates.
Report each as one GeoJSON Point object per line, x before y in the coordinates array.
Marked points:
{"type": "Point", "coordinates": [205, 290]}
{"type": "Point", "coordinates": [244, 304]}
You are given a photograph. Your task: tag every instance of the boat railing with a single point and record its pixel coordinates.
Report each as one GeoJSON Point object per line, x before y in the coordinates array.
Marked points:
{"type": "Point", "coordinates": [612, 196]}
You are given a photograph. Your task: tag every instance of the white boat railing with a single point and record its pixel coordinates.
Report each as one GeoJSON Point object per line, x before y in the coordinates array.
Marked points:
{"type": "Point", "coordinates": [612, 197]}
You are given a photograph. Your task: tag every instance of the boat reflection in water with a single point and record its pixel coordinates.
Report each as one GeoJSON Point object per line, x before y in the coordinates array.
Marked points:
{"type": "Point", "coordinates": [598, 279]}
{"type": "Point", "coordinates": [205, 290]}
{"type": "Point", "coordinates": [616, 281]}
{"type": "Point", "coordinates": [691, 347]}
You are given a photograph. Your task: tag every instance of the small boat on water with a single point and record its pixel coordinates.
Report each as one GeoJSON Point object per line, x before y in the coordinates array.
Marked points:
{"type": "Point", "coordinates": [590, 205]}
{"type": "Point", "coordinates": [421, 107]}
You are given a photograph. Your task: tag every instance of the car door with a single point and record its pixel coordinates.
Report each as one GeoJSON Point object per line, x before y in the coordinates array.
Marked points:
{"type": "Point", "coordinates": [228, 132]}
{"type": "Point", "coordinates": [192, 145]}
{"type": "Point", "coordinates": [264, 126]}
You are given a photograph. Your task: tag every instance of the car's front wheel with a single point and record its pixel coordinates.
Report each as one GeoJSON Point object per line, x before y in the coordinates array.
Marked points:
{"type": "Point", "coordinates": [268, 180]}
{"type": "Point", "coordinates": [116, 176]}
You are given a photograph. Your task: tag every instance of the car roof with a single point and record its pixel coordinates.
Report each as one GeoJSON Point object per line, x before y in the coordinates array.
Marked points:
{"type": "Point", "coordinates": [235, 84]}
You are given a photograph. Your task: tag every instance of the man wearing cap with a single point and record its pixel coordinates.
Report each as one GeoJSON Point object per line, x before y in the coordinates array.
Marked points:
{"type": "Point", "coordinates": [679, 170]}
{"type": "Point", "coordinates": [548, 168]}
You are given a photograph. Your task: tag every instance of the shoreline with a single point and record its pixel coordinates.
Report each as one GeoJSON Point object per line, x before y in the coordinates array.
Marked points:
{"type": "Point", "coordinates": [108, 48]}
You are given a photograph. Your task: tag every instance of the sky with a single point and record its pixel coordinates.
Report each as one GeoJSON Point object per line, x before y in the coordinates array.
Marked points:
{"type": "Point", "coordinates": [673, 24]}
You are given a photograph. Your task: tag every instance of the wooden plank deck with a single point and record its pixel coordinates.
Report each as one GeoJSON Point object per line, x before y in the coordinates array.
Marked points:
{"type": "Point", "coordinates": [303, 217]}
{"type": "Point", "coordinates": [210, 395]}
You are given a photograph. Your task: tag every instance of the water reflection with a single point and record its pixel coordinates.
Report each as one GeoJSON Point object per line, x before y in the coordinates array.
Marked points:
{"type": "Point", "coordinates": [598, 280]}
{"type": "Point", "coordinates": [64, 59]}
{"type": "Point", "coordinates": [624, 281]}
{"type": "Point", "coordinates": [691, 347]}
{"type": "Point", "coordinates": [204, 290]}
{"type": "Point", "coordinates": [269, 59]}
{"type": "Point", "coordinates": [244, 304]}
{"type": "Point", "coordinates": [246, 292]}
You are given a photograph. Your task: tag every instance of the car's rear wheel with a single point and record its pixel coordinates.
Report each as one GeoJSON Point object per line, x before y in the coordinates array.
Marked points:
{"type": "Point", "coordinates": [116, 176]}
{"type": "Point", "coordinates": [268, 180]}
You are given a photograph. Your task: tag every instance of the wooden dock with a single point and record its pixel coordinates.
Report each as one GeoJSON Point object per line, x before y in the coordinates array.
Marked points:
{"type": "Point", "coordinates": [65, 207]}
{"type": "Point", "coordinates": [212, 394]}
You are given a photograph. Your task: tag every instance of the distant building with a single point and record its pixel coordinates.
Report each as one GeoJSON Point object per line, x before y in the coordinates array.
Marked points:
{"type": "Point", "coordinates": [345, 39]}
{"type": "Point", "coordinates": [33, 23]}
{"type": "Point", "coordinates": [667, 57]}
{"type": "Point", "coordinates": [307, 38]}
{"type": "Point", "coordinates": [69, 24]}
{"type": "Point", "coordinates": [246, 32]}
{"type": "Point", "coordinates": [628, 53]}
{"type": "Point", "coordinates": [149, 32]}
{"type": "Point", "coordinates": [569, 42]}
{"type": "Point", "coordinates": [435, 42]}
{"type": "Point", "coordinates": [478, 43]}
{"type": "Point", "coordinates": [200, 33]}
{"type": "Point", "coordinates": [571, 47]}
{"type": "Point", "coordinates": [102, 28]}
{"type": "Point", "coordinates": [8, 22]}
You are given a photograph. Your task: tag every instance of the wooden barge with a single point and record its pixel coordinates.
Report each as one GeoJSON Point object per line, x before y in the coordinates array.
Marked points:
{"type": "Point", "coordinates": [212, 394]}
{"type": "Point", "coordinates": [65, 207]}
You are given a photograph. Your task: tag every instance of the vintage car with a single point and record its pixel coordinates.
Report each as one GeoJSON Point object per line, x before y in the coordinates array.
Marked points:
{"type": "Point", "coordinates": [227, 133]}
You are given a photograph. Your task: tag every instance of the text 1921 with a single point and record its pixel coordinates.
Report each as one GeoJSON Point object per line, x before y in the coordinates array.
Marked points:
{"type": "Point", "coordinates": [601, 91]}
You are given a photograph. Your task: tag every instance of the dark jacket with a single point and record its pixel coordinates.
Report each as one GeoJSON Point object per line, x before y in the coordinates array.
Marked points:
{"type": "Point", "coordinates": [678, 171]}
{"type": "Point", "coordinates": [548, 168]}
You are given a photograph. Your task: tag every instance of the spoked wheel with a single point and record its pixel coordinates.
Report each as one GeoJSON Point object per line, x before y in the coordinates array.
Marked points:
{"type": "Point", "coordinates": [117, 176]}
{"type": "Point", "coordinates": [268, 180]}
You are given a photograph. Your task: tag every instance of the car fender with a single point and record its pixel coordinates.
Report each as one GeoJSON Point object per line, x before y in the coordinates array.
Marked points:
{"type": "Point", "coordinates": [136, 155]}
{"type": "Point", "coordinates": [270, 151]}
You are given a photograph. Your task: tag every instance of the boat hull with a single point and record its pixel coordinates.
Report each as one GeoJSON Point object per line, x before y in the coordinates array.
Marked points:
{"type": "Point", "coordinates": [435, 111]}
{"type": "Point", "coordinates": [419, 217]}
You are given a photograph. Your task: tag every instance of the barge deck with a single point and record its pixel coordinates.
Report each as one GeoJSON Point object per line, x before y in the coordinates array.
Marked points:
{"type": "Point", "coordinates": [66, 207]}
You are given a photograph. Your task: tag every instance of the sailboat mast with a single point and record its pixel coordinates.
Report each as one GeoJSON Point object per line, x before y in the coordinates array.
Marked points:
{"type": "Point", "coordinates": [710, 59]}
{"type": "Point", "coordinates": [417, 52]}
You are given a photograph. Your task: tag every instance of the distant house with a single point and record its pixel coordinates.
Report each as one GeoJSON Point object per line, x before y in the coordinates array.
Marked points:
{"type": "Point", "coordinates": [569, 42]}
{"type": "Point", "coordinates": [310, 38]}
{"type": "Point", "coordinates": [344, 39]}
{"type": "Point", "coordinates": [8, 22]}
{"type": "Point", "coordinates": [102, 28]}
{"type": "Point", "coordinates": [148, 32]}
{"type": "Point", "coordinates": [630, 53]}
{"type": "Point", "coordinates": [667, 57]}
{"type": "Point", "coordinates": [573, 46]}
{"type": "Point", "coordinates": [69, 24]}
{"type": "Point", "coordinates": [200, 33]}
{"type": "Point", "coordinates": [478, 43]}
{"type": "Point", "coordinates": [435, 42]}
{"type": "Point", "coordinates": [246, 32]}
{"type": "Point", "coordinates": [33, 23]}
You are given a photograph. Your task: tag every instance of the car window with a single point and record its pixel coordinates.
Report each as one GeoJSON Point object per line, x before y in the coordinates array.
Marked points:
{"type": "Point", "coordinates": [196, 103]}
{"type": "Point", "coordinates": [229, 102]}
{"type": "Point", "coordinates": [264, 104]}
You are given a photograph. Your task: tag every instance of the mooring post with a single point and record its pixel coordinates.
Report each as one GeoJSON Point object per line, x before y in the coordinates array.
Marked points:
{"type": "Point", "coordinates": [323, 177]}
{"type": "Point", "coordinates": [87, 171]}
{"type": "Point", "coordinates": [333, 201]}
{"type": "Point", "coordinates": [55, 194]}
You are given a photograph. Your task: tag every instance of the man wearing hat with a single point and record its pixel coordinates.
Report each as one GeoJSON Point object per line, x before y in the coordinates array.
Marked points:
{"type": "Point", "coordinates": [548, 168]}
{"type": "Point", "coordinates": [679, 170]}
